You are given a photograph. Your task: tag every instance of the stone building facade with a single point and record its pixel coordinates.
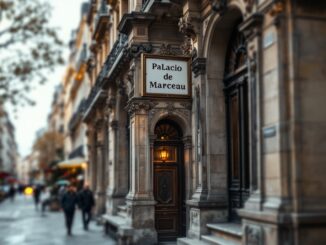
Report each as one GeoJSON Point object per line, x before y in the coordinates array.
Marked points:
{"type": "Point", "coordinates": [240, 158]}
{"type": "Point", "coordinates": [8, 145]}
{"type": "Point", "coordinates": [76, 87]}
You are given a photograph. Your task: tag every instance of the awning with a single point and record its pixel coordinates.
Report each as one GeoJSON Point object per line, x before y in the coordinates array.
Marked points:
{"type": "Point", "coordinates": [73, 163]}
{"type": "Point", "coordinates": [4, 174]}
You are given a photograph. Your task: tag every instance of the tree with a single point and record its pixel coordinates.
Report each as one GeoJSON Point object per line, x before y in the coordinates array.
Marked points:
{"type": "Point", "coordinates": [49, 146]}
{"type": "Point", "coordinates": [29, 48]}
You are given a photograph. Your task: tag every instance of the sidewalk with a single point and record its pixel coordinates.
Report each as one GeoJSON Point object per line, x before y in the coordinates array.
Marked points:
{"type": "Point", "coordinates": [21, 224]}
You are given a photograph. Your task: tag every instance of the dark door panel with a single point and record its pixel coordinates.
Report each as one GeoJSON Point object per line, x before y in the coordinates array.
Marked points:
{"type": "Point", "coordinates": [166, 193]}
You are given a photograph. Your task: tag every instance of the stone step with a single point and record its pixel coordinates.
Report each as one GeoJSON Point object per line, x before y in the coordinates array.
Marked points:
{"type": "Point", "coordinates": [224, 233]}
{"type": "Point", "coordinates": [214, 240]}
{"type": "Point", "coordinates": [122, 208]}
{"type": "Point", "coordinates": [122, 211]}
{"type": "Point", "coordinates": [112, 223]}
{"type": "Point", "coordinates": [189, 241]}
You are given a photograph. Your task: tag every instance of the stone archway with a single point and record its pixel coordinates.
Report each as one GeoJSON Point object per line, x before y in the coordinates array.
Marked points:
{"type": "Point", "coordinates": [217, 38]}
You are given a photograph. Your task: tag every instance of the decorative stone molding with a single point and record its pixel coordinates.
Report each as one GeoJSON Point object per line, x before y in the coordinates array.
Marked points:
{"type": "Point", "coordinates": [186, 105]}
{"type": "Point", "coordinates": [251, 27]}
{"type": "Point", "coordinates": [139, 106]}
{"type": "Point", "coordinates": [187, 46]}
{"type": "Point", "coordinates": [219, 6]}
{"type": "Point", "coordinates": [130, 81]}
{"type": "Point", "coordinates": [136, 49]}
{"type": "Point", "coordinates": [199, 66]}
{"type": "Point", "coordinates": [166, 49]}
{"type": "Point", "coordinates": [121, 86]}
{"type": "Point", "coordinates": [253, 235]}
{"type": "Point", "coordinates": [187, 141]}
{"type": "Point", "coordinates": [187, 28]}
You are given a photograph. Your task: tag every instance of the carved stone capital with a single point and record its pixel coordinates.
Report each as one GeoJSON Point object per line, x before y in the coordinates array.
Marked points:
{"type": "Point", "coordinates": [136, 49]}
{"type": "Point", "coordinates": [199, 66]}
{"type": "Point", "coordinates": [139, 106]}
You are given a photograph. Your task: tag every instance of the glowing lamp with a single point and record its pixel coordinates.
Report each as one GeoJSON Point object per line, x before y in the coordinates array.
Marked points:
{"type": "Point", "coordinates": [164, 155]}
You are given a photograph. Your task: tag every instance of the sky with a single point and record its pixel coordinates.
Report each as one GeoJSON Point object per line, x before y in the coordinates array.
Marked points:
{"type": "Point", "coordinates": [65, 16]}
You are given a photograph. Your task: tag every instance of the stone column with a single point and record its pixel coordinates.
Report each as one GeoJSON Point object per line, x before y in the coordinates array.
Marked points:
{"type": "Point", "coordinates": [91, 141]}
{"type": "Point", "coordinates": [118, 180]}
{"type": "Point", "coordinates": [140, 200]}
{"type": "Point", "coordinates": [100, 160]}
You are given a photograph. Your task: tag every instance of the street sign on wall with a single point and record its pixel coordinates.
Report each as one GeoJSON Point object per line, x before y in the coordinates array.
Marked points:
{"type": "Point", "coordinates": [166, 76]}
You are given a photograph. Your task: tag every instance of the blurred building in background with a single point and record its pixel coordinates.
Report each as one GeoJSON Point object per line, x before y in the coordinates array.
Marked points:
{"type": "Point", "coordinates": [8, 146]}
{"type": "Point", "coordinates": [204, 119]}
{"type": "Point", "coordinates": [56, 116]}
{"type": "Point", "coordinates": [65, 117]}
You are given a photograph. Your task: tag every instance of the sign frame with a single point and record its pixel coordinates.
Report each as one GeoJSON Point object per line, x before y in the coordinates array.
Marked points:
{"type": "Point", "coordinates": [144, 57]}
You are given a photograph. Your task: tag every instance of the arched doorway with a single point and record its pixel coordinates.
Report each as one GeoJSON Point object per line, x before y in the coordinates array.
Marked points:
{"type": "Point", "coordinates": [236, 98]}
{"type": "Point", "coordinates": [170, 210]}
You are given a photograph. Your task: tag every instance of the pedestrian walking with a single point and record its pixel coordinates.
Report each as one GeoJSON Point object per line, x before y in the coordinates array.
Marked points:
{"type": "Point", "coordinates": [68, 204]}
{"type": "Point", "coordinates": [86, 202]}
{"type": "Point", "coordinates": [45, 199]}
{"type": "Point", "coordinates": [36, 195]}
{"type": "Point", "coordinates": [12, 192]}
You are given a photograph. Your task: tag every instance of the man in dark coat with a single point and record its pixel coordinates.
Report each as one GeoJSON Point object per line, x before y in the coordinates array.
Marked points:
{"type": "Point", "coordinates": [86, 203]}
{"type": "Point", "coordinates": [68, 204]}
{"type": "Point", "coordinates": [36, 194]}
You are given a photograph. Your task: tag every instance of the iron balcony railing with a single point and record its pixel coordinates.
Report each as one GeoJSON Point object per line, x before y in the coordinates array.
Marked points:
{"type": "Point", "coordinates": [117, 48]}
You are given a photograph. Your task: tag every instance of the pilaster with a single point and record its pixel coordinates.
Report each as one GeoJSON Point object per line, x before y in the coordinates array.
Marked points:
{"type": "Point", "coordinates": [140, 200]}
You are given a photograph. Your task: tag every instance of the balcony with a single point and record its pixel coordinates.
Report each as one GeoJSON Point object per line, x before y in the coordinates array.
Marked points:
{"type": "Point", "coordinates": [78, 152]}
{"type": "Point", "coordinates": [148, 4]}
{"type": "Point", "coordinates": [102, 19]}
{"type": "Point", "coordinates": [107, 69]}
{"type": "Point", "coordinates": [77, 116]}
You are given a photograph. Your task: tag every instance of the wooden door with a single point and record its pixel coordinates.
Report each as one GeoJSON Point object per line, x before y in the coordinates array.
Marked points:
{"type": "Point", "coordinates": [236, 97]}
{"type": "Point", "coordinates": [169, 182]}
{"type": "Point", "coordinates": [167, 196]}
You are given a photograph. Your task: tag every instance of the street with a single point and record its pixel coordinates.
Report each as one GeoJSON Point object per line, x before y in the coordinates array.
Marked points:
{"type": "Point", "coordinates": [21, 224]}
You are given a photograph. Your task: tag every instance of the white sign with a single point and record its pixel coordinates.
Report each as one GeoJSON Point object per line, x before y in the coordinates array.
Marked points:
{"type": "Point", "coordinates": [166, 76]}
